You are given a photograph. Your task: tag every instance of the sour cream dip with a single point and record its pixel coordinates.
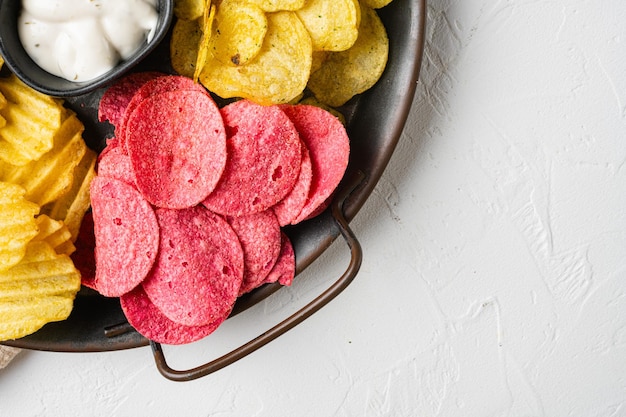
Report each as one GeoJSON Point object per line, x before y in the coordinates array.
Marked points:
{"type": "Point", "coordinates": [79, 40]}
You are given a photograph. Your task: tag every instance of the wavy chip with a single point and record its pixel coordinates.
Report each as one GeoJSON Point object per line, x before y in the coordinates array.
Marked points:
{"type": "Point", "coordinates": [279, 72]}
{"type": "Point", "coordinates": [56, 234]}
{"type": "Point", "coordinates": [3, 103]}
{"type": "Point", "coordinates": [21, 317]}
{"type": "Point", "coordinates": [52, 174]}
{"type": "Point", "coordinates": [73, 204]}
{"type": "Point", "coordinates": [17, 224]}
{"type": "Point", "coordinates": [31, 120]}
{"type": "Point", "coordinates": [39, 289]}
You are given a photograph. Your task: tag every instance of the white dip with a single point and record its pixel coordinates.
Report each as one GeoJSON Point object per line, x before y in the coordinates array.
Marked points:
{"type": "Point", "coordinates": [82, 39]}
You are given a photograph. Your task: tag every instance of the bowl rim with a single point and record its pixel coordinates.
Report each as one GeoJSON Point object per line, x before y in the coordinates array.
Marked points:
{"type": "Point", "coordinates": [16, 58]}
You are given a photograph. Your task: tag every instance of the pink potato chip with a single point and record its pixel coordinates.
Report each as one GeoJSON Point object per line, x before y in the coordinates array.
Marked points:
{"type": "Point", "coordinates": [264, 155]}
{"type": "Point", "coordinates": [126, 235]}
{"type": "Point", "coordinates": [259, 234]}
{"type": "Point", "coordinates": [199, 269]}
{"type": "Point", "coordinates": [320, 209]}
{"type": "Point", "coordinates": [116, 98]}
{"type": "Point", "coordinates": [284, 269]}
{"type": "Point", "coordinates": [177, 146]}
{"type": "Point", "coordinates": [291, 205]}
{"type": "Point", "coordinates": [114, 163]}
{"type": "Point", "coordinates": [150, 322]}
{"type": "Point", "coordinates": [329, 147]}
{"type": "Point", "coordinates": [157, 85]}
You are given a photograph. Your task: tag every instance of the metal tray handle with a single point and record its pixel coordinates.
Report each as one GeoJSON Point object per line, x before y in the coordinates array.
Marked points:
{"type": "Point", "coordinates": [287, 324]}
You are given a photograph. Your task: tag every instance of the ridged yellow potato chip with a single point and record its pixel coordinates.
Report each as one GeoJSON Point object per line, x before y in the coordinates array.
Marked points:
{"type": "Point", "coordinates": [238, 32]}
{"type": "Point", "coordinates": [348, 73]}
{"type": "Point", "coordinates": [279, 72]}
{"type": "Point", "coordinates": [52, 175]}
{"type": "Point", "coordinates": [17, 224]}
{"type": "Point", "coordinates": [189, 9]}
{"type": "Point", "coordinates": [31, 118]}
{"type": "Point", "coordinates": [276, 5]}
{"type": "Point", "coordinates": [332, 24]}
{"type": "Point", "coordinates": [21, 317]}
{"type": "Point", "coordinates": [56, 234]}
{"type": "Point", "coordinates": [3, 103]}
{"type": "Point", "coordinates": [39, 289]}
{"type": "Point", "coordinates": [72, 206]}
{"type": "Point", "coordinates": [44, 161]}
{"type": "Point", "coordinates": [41, 261]}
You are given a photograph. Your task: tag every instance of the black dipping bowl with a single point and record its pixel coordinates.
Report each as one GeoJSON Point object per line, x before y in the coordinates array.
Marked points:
{"type": "Point", "coordinates": [22, 65]}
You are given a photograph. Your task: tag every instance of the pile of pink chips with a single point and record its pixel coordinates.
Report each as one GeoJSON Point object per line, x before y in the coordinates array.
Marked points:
{"type": "Point", "coordinates": [189, 200]}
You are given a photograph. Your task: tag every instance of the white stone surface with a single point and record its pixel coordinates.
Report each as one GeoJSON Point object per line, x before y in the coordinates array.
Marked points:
{"type": "Point", "coordinates": [494, 279]}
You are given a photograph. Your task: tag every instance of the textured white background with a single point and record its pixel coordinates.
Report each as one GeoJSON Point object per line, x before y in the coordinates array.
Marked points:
{"type": "Point", "coordinates": [494, 279]}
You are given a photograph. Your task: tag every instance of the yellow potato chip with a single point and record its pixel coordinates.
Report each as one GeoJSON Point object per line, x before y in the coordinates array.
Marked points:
{"type": "Point", "coordinates": [376, 4]}
{"type": "Point", "coordinates": [3, 101]}
{"type": "Point", "coordinates": [39, 289]}
{"type": "Point", "coordinates": [312, 101]}
{"type": "Point", "coordinates": [205, 38]}
{"type": "Point", "coordinates": [49, 177]}
{"type": "Point", "coordinates": [24, 316]}
{"type": "Point", "coordinates": [184, 42]}
{"type": "Point", "coordinates": [41, 261]}
{"type": "Point", "coordinates": [3, 121]}
{"type": "Point", "coordinates": [17, 224]}
{"type": "Point", "coordinates": [189, 9]}
{"type": "Point", "coordinates": [279, 72]}
{"type": "Point", "coordinates": [31, 120]}
{"type": "Point", "coordinates": [3, 104]}
{"type": "Point", "coordinates": [276, 5]}
{"type": "Point", "coordinates": [72, 206]}
{"type": "Point", "coordinates": [238, 32]}
{"type": "Point", "coordinates": [332, 24]}
{"type": "Point", "coordinates": [319, 57]}
{"type": "Point", "coordinates": [348, 73]}
{"type": "Point", "coordinates": [56, 234]}
{"type": "Point", "coordinates": [40, 286]}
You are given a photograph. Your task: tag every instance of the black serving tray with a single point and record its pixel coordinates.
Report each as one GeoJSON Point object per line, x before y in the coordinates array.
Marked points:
{"type": "Point", "coordinates": [374, 121]}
